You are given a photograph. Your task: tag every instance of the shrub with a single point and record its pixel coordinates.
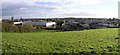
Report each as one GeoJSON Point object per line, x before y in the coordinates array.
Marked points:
{"type": "Point", "coordinates": [9, 27]}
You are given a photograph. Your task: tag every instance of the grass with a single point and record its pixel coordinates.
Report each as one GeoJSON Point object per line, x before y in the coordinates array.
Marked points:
{"type": "Point", "coordinates": [98, 41]}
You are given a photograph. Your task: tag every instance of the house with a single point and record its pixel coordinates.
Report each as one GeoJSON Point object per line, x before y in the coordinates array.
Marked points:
{"type": "Point", "coordinates": [86, 26]}
{"type": "Point", "coordinates": [103, 24]}
{"type": "Point", "coordinates": [42, 23]}
{"type": "Point", "coordinates": [112, 25]}
{"type": "Point", "coordinates": [18, 23]}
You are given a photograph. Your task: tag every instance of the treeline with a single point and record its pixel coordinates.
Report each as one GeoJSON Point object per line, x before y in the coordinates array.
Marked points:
{"type": "Point", "coordinates": [7, 26]}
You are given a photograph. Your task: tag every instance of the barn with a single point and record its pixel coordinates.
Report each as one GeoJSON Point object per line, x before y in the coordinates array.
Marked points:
{"type": "Point", "coordinates": [45, 24]}
{"type": "Point", "coordinates": [42, 23]}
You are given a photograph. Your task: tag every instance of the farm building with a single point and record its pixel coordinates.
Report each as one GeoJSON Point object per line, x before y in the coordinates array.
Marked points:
{"type": "Point", "coordinates": [18, 23]}
{"type": "Point", "coordinates": [44, 24]}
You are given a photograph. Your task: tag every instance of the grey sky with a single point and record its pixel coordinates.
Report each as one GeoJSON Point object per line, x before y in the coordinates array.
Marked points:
{"type": "Point", "coordinates": [59, 8]}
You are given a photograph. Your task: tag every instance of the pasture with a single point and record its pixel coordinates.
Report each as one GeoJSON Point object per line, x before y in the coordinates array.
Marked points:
{"type": "Point", "coordinates": [94, 41]}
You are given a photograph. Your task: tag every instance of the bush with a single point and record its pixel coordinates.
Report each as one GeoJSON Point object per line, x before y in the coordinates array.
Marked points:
{"type": "Point", "coordinates": [39, 27]}
{"type": "Point", "coordinates": [9, 27]}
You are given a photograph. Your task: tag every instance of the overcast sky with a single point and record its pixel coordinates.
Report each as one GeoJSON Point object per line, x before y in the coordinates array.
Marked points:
{"type": "Point", "coordinates": [59, 8]}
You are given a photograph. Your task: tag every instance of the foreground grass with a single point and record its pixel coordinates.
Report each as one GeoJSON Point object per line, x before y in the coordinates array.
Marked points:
{"type": "Point", "coordinates": [99, 41]}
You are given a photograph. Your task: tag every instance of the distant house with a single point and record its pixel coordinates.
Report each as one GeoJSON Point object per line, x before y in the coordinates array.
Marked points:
{"type": "Point", "coordinates": [108, 25]}
{"type": "Point", "coordinates": [112, 25]}
{"type": "Point", "coordinates": [103, 24]}
{"type": "Point", "coordinates": [86, 26]}
{"type": "Point", "coordinates": [18, 23]}
{"type": "Point", "coordinates": [0, 19]}
{"type": "Point", "coordinates": [44, 24]}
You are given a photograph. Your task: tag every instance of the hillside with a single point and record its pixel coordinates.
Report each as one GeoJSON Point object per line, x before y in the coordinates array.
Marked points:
{"type": "Point", "coordinates": [98, 40]}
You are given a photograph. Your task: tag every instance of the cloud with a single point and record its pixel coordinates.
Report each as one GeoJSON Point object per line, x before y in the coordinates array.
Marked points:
{"type": "Point", "coordinates": [83, 2]}
{"type": "Point", "coordinates": [59, 8]}
{"type": "Point", "coordinates": [10, 8]}
{"type": "Point", "coordinates": [79, 14]}
{"type": "Point", "coordinates": [18, 0]}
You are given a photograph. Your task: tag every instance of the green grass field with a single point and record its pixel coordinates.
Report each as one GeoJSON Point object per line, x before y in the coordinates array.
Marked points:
{"type": "Point", "coordinates": [98, 40]}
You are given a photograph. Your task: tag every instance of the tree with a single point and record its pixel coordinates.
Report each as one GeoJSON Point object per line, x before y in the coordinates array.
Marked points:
{"type": "Point", "coordinates": [7, 27]}
{"type": "Point", "coordinates": [59, 22]}
{"type": "Point", "coordinates": [93, 25]}
{"type": "Point", "coordinates": [12, 18]}
{"type": "Point", "coordinates": [21, 19]}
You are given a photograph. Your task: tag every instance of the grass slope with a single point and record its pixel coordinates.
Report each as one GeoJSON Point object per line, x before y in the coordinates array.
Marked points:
{"type": "Point", "coordinates": [98, 40]}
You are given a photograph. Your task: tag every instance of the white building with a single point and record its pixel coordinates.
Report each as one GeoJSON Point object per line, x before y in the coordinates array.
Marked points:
{"type": "Point", "coordinates": [0, 19]}
{"type": "Point", "coordinates": [17, 23]}
{"type": "Point", "coordinates": [44, 24]}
